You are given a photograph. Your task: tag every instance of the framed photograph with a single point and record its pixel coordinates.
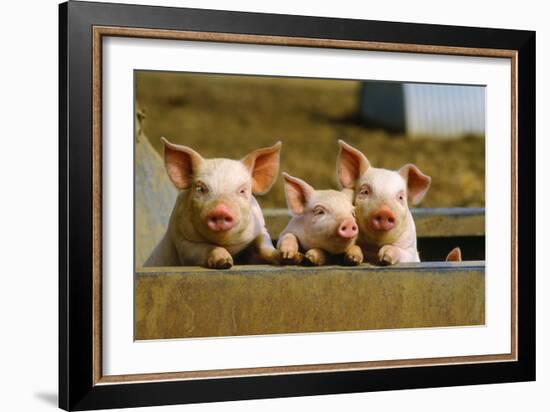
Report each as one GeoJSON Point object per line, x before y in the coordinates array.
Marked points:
{"type": "Point", "coordinates": [256, 205]}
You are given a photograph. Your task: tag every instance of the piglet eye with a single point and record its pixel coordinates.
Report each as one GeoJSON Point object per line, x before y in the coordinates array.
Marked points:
{"type": "Point", "coordinates": [401, 197]}
{"type": "Point", "coordinates": [365, 190]}
{"type": "Point", "coordinates": [200, 188]}
{"type": "Point", "coordinates": [242, 191]}
{"type": "Point", "coordinates": [319, 212]}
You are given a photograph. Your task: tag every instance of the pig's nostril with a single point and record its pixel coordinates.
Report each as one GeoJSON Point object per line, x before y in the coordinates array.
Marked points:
{"type": "Point", "coordinates": [391, 220]}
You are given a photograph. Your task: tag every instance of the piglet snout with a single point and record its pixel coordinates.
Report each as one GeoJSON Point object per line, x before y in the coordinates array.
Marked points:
{"type": "Point", "coordinates": [347, 229]}
{"type": "Point", "coordinates": [220, 219]}
{"type": "Point", "coordinates": [383, 219]}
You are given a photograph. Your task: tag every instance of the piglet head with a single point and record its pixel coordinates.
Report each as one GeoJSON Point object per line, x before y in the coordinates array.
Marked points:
{"type": "Point", "coordinates": [219, 191]}
{"type": "Point", "coordinates": [328, 216]}
{"type": "Point", "coordinates": [382, 196]}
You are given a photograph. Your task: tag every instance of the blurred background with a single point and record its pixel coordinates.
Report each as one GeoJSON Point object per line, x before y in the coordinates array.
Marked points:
{"type": "Point", "coordinates": [440, 128]}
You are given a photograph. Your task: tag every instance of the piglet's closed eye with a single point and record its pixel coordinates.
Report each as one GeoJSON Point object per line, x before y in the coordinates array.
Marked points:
{"type": "Point", "coordinates": [417, 183]}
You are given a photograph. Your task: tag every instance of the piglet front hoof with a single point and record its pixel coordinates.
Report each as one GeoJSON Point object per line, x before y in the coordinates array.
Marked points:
{"type": "Point", "coordinates": [353, 256]}
{"type": "Point", "coordinates": [291, 257]}
{"type": "Point", "coordinates": [271, 256]}
{"type": "Point", "coordinates": [289, 250]}
{"type": "Point", "coordinates": [219, 258]}
{"type": "Point", "coordinates": [316, 256]}
{"type": "Point", "coordinates": [388, 255]}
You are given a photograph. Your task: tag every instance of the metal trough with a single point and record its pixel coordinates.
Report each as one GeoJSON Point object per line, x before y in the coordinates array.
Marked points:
{"type": "Point", "coordinates": [190, 302]}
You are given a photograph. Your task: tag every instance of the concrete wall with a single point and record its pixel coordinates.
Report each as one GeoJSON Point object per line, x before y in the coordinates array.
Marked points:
{"type": "Point", "coordinates": [154, 198]}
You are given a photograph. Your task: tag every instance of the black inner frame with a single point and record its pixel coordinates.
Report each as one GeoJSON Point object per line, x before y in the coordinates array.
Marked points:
{"type": "Point", "coordinates": [76, 388]}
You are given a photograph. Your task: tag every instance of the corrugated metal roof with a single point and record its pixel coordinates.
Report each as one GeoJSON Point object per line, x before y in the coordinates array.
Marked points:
{"type": "Point", "coordinates": [424, 109]}
{"type": "Point", "coordinates": [444, 110]}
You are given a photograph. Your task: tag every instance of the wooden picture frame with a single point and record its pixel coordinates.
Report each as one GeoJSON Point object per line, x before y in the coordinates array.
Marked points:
{"type": "Point", "coordinates": [82, 384]}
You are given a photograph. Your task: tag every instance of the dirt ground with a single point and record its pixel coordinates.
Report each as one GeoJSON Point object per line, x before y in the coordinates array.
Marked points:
{"type": "Point", "coordinates": [228, 116]}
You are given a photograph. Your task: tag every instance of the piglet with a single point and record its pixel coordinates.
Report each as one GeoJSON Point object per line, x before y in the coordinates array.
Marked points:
{"type": "Point", "coordinates": [387, 233]}
{"type": "Point", "coordinates": [216, 215]}
{"type": "Point", "coordinates": [322, 225]}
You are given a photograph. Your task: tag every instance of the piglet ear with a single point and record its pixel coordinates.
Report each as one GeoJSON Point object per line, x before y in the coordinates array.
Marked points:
{"type": "Point", "coordinates": [417, 182]}
{"type": "Point", "coordinates": [350, 166]}
{"type": "Point", "coordinates": [454, 255]}
{"type": "Point", "coordinates": [263, 165]}
{"type": "Point", "coordinates": [297, 193]}
{"type": "Point", "coordinates": [181, 163]}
